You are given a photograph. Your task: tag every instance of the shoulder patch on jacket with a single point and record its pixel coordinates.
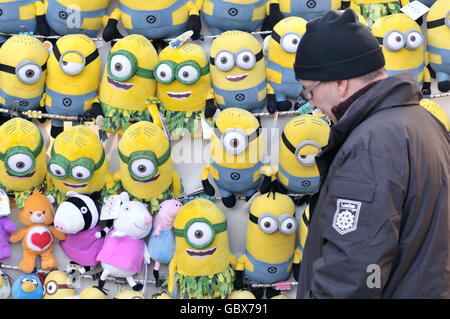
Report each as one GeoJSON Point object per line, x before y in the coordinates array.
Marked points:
{"type": "Point", "coordinates": [346, 216]}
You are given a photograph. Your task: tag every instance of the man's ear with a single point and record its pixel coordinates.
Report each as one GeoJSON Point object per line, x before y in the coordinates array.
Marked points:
{"type": "Point", "coordinates": [343, 88]}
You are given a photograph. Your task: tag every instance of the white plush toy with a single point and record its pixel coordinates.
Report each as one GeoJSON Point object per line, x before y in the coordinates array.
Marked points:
{"type": "Point", "coordinates": [5, 286]}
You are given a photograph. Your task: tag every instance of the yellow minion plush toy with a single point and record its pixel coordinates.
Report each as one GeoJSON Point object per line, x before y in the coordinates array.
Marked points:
{"type": "Point", "coordinates": [92, 292]}
{"type": "Point", "coordinates": [57, 285]}
{"type": "Point", "coordinates": [283, 43]}
{"type": "Point", "coordinates": [78, 163]}
{"type": "Point", "coordinates": [23, 70]}
{"type": "Point", "coordinates": [128, 87]}
{"type": "Point", "coordinates": [22, 159]}
{"type": "Point", "coordinates": [438, 39]}
{"type": "Point", "coordinates": [224, 15]}
{"type": "Point", "coordinates": [270, 243]}
{"type": "Point", "coordinates": [76, 16]}
{"type": "Point", "coordinates": [184, 86]}
{"type": "Point", "coordinates": [73, 72]}
{"type": "Point", "coordinates": [237, 149]}
{"type": "Point", "coordinates": [403, 43]}
{"type": "Point", "coordinates": [129, 294]}
{"type": "Point", "coordinates": [156, 20]}
{"type": "Point", "coordinates": [238, 73]}
{"type": "Point", "coordinates": [22, 16]}
{"type": "Point", "coordinates": [437, 110]}
{"type": "Point", "coordinates": [146, 168]}
{"type": "Point", "coordinates": [203, 264]}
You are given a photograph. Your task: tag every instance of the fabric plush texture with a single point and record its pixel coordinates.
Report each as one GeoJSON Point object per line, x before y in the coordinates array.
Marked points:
{"type": "Point", "coordinates": [83, 247]}
{"type": "Point", "coordinates": [7, 227]}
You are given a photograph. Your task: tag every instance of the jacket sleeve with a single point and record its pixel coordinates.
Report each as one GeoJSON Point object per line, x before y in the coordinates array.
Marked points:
{"type": "Point", "coordinates": [359, 227]}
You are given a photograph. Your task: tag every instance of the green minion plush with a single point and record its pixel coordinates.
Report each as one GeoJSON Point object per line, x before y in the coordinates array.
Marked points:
{"type": "Point", "coordinates": [146, 168]}
{"type": "Point", "coordinates": [184, 86]}
{"type": "Point", "coordinates": [22, 159]}
{"type": "Point", "coordinates": [22, 16]}
{"type": "Point", "coordinates": [202, 265]}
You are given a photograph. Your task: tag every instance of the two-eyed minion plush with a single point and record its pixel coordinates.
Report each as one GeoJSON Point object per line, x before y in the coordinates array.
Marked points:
{"type": "Point", "coordinates": [224, 15]}
{"type": "Point", "coordinates": [38, 236]}
{"type": "Point", "coordinates": [270, 243]}
{"type": "Point", "coordinates": [23, 64]}
{"type": "Point", "coordinates": [73, 73]}
{"type": "Point", "coordinates": [128, 87]}
{"type": "Point", "coordinates": [125, 251]}
{"type": "Point", "coordinates": [203, 264]}
{"type": "Point", "coordinates": [76, 16]}
{"type": "Point", "coordinates": [156, 20]}
{"type": "Point", "coordinates": [184, 86]}
{"type": "Point", "coordinates": [281, 50]}
{"type": "Point", "coordinates": [77, 163]}
{"type": "Point", "coordinates": [57, 285]}
{"type": "Point", "coordinates": [22, 16]}
{"type": "Point", "coordinates": [402, 42]}
{"type": "Point", "coordinates": [146, 167]}
{"type": "Point", "coordinates": [237, 150]}
{"type": "Point", "coordinates": [27, 286]}
{"type": "Point", "coordinates": [5, 285]}
{"type": "Point", "coordinates": [238, 73]}
{"type": "Point", "coordinates": [22, 159]}
{"type": "Point", "coordinates": [438, 44]}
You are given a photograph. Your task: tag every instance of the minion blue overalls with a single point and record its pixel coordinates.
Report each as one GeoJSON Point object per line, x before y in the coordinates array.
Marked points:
{"type": "Point", "coordinates": [300, 185]}
{"type": "Point", "coordinates": [265, 273]}
{"type": "Point", "coordinates": [21, 103]}
{"type": "Point", "coordinates": [308, 9]}
{"type": "Point", "coordinates": [59, 19]}
{"type": "Point", "coordinates": [289, 86]}
{"type": "Point", "coordinates": [414, 71]}
{"type": "Point", "coordinates": [154, 24]}
{"type": "Point", "coordinates": [10, 21]}
{"type": "Point", "coordinates": [442, 70]}
{"type": "Point", "coordinates": [232, 16]}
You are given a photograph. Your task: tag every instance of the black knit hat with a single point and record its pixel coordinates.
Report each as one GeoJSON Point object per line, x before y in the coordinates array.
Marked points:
{"type": "Point", "coordinates": [335, 47]}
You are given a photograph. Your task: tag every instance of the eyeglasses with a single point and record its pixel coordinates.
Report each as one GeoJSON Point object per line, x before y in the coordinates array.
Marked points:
{"type": "Point", "coordinates": [307, 93]}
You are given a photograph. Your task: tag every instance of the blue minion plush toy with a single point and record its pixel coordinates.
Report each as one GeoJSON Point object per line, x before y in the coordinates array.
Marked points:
{"type": "Point", "coordinates": [22, 16]}
{"type": "Point", "coordinates": [27, 286]}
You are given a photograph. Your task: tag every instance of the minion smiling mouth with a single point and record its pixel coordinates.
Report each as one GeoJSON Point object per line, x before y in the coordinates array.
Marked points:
{"type": "Point", "coordinates": [201, 253]}
{"type": "Point", "coordinates": [154, 178]}
{"type": "Point", "coordinates": [21, 177]}
{"type": "Point", "coordinates": [179, 95]}
{"type": "Point", "coordinates": [70, 185]}
{"type": "Point", "coordinates": [236, 78]}
{"type": "Point", "coordinates": [119, 86]}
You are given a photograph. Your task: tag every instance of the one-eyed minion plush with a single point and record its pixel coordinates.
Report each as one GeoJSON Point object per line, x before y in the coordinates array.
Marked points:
{"type": "Point", "coordinates": [437, 111]}
{"type": "Point", "coordinates": [237, 149]}
{"type": "Point", "coordinates": [5, 285]}
{"type": "Point", "coordinates": [22, 16]}
{"type": "Point", "coordinates": [438, 44]}
{"type": "Point", "coordinates": [224, 15]}
{"type": "Point", "coordinates": [73, 72]}
{"type": "Point", "coordinates": [156, 20]}
{"type": "Point", "coordinates": [27, 286]}
{"type": "Point", "coordinates": [22, 159]}
{"type": "Point", "coordinates": [203, 264]}
{"type": "Point", "coordinates": [402, 42]}
{"type": "Point", "coordinates": [57, 285]}
{"type": "Point", "coordinates": [283, 43]}
{"type": "Point", "coordinates": [184, 87]}
{"type": "Point", "coordinates": [78, 163]}
{"type": "Point", "coordinates": [38, 236]}
{"type": "Point", "coordinates": [23, 64]}
{"type": "Point", "coordinates": [76, 16]}
{"type": "Point", "coordinates": [128, 87]}
{"type": "Point", "coordinates": [270, 243]}
{"type": "Point", "coordinates": [146, 167]}
{"type": "Point", "coordinates": [238, 73]}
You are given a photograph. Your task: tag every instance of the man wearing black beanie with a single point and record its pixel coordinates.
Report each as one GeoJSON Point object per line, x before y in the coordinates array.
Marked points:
{"type": "Point", "coordinates": [379, 226]}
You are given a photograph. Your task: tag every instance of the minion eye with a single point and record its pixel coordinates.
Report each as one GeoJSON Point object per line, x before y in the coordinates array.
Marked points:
{"type": "Point", "coordinates": [164, 73]}
{"type": "Point", "coordinates": [120, 66]}
{"type": "Point", "coordinates": [288, 226]}
{"type": "Point", "coordinates": [29, 73]}
{"type": "Point", "coordinates": [187, 74]}
{"type": "Point", "coordinates": [142, 168]}
{"type": "Point", "coordinates": [199, 234]}
{"type": "Point", "coordinates": [72, 68]}
{"type": "Point", "coordinates": [224, 61]}
{"type": "Point", "coordinates": [80, 173]}
{"type": "Point", "coordinates": [268, 225]}
{"type": "Point", "coordinates": [57, 170]}
{"type": "Point", "coordinates": [290, 42]}
{"type": "Point", "coordinates": [20, 163]}
{"type": "Point", "coordinates": [414, 40]}
{"type": "Point", "coordinates": [394, 41]}
{"type": "Point", "coordinates": [307, 160]}
{"type": "Point", "coordinates": [234, 143]}
{"type": "Point", "coordinates": [50, 288]}
{"type": "Point", "coordinates": [246, 60]}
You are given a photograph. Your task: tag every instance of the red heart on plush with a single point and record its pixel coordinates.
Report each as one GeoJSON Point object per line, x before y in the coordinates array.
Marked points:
{"type": "Point", "coordinates": [41, 240]}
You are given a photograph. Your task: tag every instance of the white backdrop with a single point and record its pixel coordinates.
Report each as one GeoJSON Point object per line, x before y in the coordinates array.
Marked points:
{"type": "Point", "coordinates": [189, 168]}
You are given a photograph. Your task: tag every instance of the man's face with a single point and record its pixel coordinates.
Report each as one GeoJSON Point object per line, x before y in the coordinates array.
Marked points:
{"type": "Point", "coordinates": [324, 96]}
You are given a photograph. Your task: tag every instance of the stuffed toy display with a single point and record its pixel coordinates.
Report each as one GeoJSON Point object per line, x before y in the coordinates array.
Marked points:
{"type": "Point", "coordinates": [78, 163]}
{"type": "Point", "coordinates": [124, 252]}
{"type": "Point", "coordinates": [437, 110]}
{"type": "Point", "coordinates": [161, 244]}
{"type": "Point", "coordinates": [184, 86]}
{"type": "Point", "coordinates": [73, 72]}
{"type": "Point", "coordinates": [23, 64]}
{"type": "Point", "coordinates": [238, 73]}
{"type": "Point", "coordinates": [22, 159]}
{"type": "Point", "coordinates": [283, 43]}
{"type": "Point", "coordinates": [5, 285]}
{"type": "Point", "coordinates": [22, 16]}
{"type": "Point", "coordinates": [156, 20]}
{"type": "Point", "coordinates": [237, 149]}
{"type": "Point", "coordinates": [76, 16]}
{"type": "Point", "coordinates": [146, 168]}
{"type": "Point", "coordinates": [27, 286]}
{"type": "Point", "coordinates": [224, 15]}
{"type": "Point", "coordinates": [128, 87]}
{"type": "Point", "coordinates": [78, 217]}
{"type": "Point", "coordinates": [203, 264]}
{"type": "Point", "coordinates": [302, 139]}
{"type": "Point", "coordinates": [57, 285]}
{"type": "Point", "coordinates": [403, 43]}
{"type": "Point", "coordinates": [270, 243]}
{"type": "Point", "coordinates": [438, 48]}
{"type": "Point", "coordinates": [38, 236]}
